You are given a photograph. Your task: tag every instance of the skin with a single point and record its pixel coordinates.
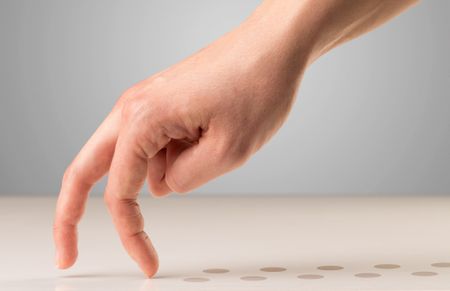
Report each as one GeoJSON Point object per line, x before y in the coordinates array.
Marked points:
{"type": "Point", "coordinates": [206, 115]}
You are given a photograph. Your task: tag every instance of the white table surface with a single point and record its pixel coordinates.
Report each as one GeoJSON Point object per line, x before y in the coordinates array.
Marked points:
{"type": "Point", "coordinates": [241, 235]}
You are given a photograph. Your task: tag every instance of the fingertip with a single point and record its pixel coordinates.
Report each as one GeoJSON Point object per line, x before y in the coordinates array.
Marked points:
{"type": "Point", "coordinates": [63, 266]}
{"type": "Point", "coordinates": [151, 274]}
{"type": "Point", "coordinates": [152, 268]}
{"type": "Point", "coordinates": [160, 194]}
{"type": "Point", "coordinates": [159, 189]}
{"type": "Point", "coordinates": [66, 246]}
{"type": "Point", "coordinates": [151, 271]}
{"type": "Point", "coordinates": [65, 260]}
{"type": "Point", "coordinates": [142, 251]}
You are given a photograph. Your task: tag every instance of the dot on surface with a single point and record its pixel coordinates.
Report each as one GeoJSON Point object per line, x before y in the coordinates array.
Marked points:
{"type": "Point", "coordinates": [441, 265]}
{"type": "Point", "coordinates": [196, 279]}
{"type": "Point", "coordinates": [330, 268]}
{"type": "Point", "coordinates": [273, 269]}
{"type": "Point", "coordinates": [253, 278]}
{"type": "Point", "coordinates": [387, 266]}
{"type": "Point", "coordinates": [310, 276]}
{"type": "Point", "coordinates": [367, 275]}
{"type": "Point", "coordinates": [216, 271]}
{"type": "Point", "coordinates": [424, 274]}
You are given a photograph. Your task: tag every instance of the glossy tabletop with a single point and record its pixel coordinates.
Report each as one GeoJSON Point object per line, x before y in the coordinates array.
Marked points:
{"type": "Point", "coordinates": [240, 243]}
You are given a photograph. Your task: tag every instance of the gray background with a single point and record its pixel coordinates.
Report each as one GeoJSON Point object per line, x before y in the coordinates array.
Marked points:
{"type": "Point", "coordinates": [372, 116]}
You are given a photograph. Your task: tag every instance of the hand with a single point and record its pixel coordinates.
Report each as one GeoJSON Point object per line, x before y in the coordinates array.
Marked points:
{"type": "Point", "coordinates": [178, 129]}
{"type": "Point", "coordinates": [189, 124]}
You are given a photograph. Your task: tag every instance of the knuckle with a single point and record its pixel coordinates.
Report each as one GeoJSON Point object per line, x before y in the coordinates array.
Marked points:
{"type": "Point", "coordinates": [131, 108]}
{"type": "Point", "coordinates": [127, 95]}
{"type": "Point", "coordinates": [151, 137]}
{"type": "Point", "coordinates": [176, 184]}
{"type": "Point", "coordinates": [70, 174]}
{"type": "Point", "coordinates": [158, 79]}
{"type": "Point", "coordinates": [74, 175]}
{"type": "Point", "coordinates": [67, 174]}
{"type": "Point", "coordinates": [148, 142]}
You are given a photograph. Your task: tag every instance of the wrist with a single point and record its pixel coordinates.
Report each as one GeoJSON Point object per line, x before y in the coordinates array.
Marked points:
{"type": "Point", "coordinates": [289, 32]}
{"type": "Point", "coordinates": [270, 41]}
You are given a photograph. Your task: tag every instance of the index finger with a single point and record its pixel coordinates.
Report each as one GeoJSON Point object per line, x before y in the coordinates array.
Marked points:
{"type": "Point", "coordinates": [90, 165]}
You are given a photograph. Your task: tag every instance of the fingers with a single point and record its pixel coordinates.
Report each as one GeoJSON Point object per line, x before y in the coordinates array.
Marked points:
{"type": "Point", "coordinates": [156, 174]}
{"type": "Point", "coordinates": [90, 165]}
{"type": "Point", "coordinates": [190, 166]}
{"type": "Point", "coordinates": [129, 223]}
{"type": "Point", "coordinates": [128, 172]}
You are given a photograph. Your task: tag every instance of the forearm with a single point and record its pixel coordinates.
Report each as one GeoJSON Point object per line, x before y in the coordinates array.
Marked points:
{"type": "Point", "coordinates": [312, 27]}
{"type": "Point", "coordinates": [341, 20]}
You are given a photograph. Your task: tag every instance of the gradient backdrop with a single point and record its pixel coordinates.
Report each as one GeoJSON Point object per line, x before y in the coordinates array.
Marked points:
{"type": "Point", "coordinates": [372, 116]}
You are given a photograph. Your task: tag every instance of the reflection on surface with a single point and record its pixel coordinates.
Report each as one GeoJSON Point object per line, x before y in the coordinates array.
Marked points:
{"type": "Point", "coordinates": [283, 276]}
{"type": "Point", "coordinates": [294, 242]}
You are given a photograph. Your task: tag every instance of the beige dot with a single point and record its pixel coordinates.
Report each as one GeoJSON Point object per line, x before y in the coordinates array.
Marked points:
{"type": "Point", "coordinates": [273, 269]}
{"type": "Point", "coordinates": [330, 268]}
{"type": "Point", "coordinates": [196, 279]}
{"type": "Point", "coordinates": [424, 274]}
{"type": "Point", "coordinates": [387, 266]}
{"type": "Point", "coordinates": [310, 276]}
{"type": "Point", "coordinates": [367, 275]}
{"type": "Point", "coordinates": [253, 278]}
{"type": "Point", "coordinates": [441, 265]}
{"type": "Point", "coordinates": [216, 271]}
